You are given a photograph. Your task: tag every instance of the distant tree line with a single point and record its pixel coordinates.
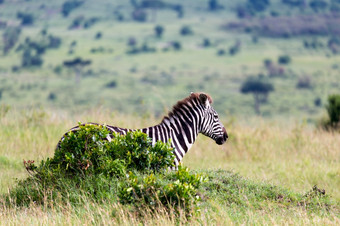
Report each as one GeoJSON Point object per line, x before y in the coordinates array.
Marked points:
{"type": "Point", "coordinates": [33, 49]}
{"type": "Point", "coordinates": [69, 6]}
{"type": "Point", "coordinates": [286, 27]}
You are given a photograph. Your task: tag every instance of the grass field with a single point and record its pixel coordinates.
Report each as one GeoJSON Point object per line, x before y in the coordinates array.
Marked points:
{"type": "Point", "coordinates": [281, 147]}
{"type": "Point", "coordinates": [290, 157]}
{"type": "Point", "coordinates": [143, 81]}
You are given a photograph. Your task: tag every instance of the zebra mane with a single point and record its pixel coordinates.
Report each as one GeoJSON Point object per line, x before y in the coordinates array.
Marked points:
{"type": "Point", "coordinates": [193, 98]}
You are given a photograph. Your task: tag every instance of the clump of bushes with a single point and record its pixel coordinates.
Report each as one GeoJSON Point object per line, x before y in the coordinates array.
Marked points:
{"type": "Point", "coordinates": [129, 170]}
{"type": "Point", "coordinates": [333, 110]}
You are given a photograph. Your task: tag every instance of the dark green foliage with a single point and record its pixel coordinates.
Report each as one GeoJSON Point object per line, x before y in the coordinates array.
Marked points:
{"type": "Point", "coordinates": [317, 102]}
{"type": "Point", "coordinates": [54, 42]}
{"type": "Point", "coordinates": [52, 96]}
{"type": "Point", "coordinates": [77, 22]}
{"type": "Point", "coordinates": [139, 15]}
{"type": "Point", "coordinates": [186, 30]}
{"type": "Point", "coordinates": [26, 18]}
{"type": "Point", "coordinates": [145, 48]}
{"type": "Point", "coordinates": [90, 22]}
{"type": "Point", "coordinates": [220, 52]}
{"type": "Point", "coordinates": [256, 85]}
{"type": "Point", "coordinates": [206, 42]}
{"type": "Point", "coordinates": [259, 87]}
{"type": "Point", "coordinates": [10, 37]}
{"type": "Point", "coordinates": [333, 109]}
{"type": "Point", "coordinates": [112, 84]}
{"type": "Point", "coordinates": [293, 3]}
{"type": "Point", "coordinates": [284, 59]}
{"type": "Point", "coordinates": [33, 49]}
{"type": "Point", "coordinates": [259, 5]}
{"type": "Point", "coordinates": [304, 82]}
{"type": "Point", "coordinates": [69, 6]}
{"type": "Point", "coordinates": [176, 45]}
{"type": "Point", "coordinates": [159, 30]}
{"type": "Point", "coordinates": [78, 61]}
{"type": "Point", "coordinates": [175, 190]}
{"type": "Point", "coordinates": [318, 5]}
{"type": "Point", "coordinates": [31, 58]}
{"type": "Point", "coordinates": [214, 5]}
{"type": "Point", "coordinates": [98, 35]}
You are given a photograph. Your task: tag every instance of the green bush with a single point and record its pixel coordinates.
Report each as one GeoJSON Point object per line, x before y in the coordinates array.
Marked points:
{"type": "Point", "coordinates": [129, 169]}
{"type": "Point", "coordinates": [333, 110]}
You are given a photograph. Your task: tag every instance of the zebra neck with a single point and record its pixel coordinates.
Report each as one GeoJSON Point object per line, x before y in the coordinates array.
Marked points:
{"type": "Point", "coordinates": [181, 134]}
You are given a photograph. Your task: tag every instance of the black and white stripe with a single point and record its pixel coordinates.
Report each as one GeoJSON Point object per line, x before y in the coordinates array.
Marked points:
{"type": "Point", "coordinates": [189, 117]}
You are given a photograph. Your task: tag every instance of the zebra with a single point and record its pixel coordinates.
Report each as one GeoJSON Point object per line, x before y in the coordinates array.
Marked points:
{"type": "Point", "coordinates": [188, 118]}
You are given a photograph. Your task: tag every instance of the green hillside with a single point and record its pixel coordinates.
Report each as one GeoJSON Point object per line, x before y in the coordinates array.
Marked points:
{"type": "Point", "coordinates": [132, 70]}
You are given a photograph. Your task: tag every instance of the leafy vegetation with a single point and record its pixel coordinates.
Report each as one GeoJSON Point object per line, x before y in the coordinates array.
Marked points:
{"type": "Point", "coordinates": [260, 88]}
{"type": "Point", "coordinates": [128, 169]}
{"type": "Point", "coordinates": [332, 122]}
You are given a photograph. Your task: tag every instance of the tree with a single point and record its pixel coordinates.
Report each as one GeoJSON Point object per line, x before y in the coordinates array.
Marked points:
{"type": "Point", "coordinates": [30, 57]}
{"type": "Point", "coordinates": [284, 59]}
{"type": "Point", "coordinates": [69, 6]}
{"type": "Point", "coordinates": [259, 5]}
{"type": "Point", "coordinates": [159, 29]}
{"type": "Point", "coordinates": [77, 64]}
{"type": "Point", "coordinates": [26, 18]}
{"type": "Point", "coordinates": [139, 15]}
{"type": "Point", "coordinates": [317, 5]}
{"type": "Point", "coordinates": [186, 30]}
{"type": "Point", "coordinates": [213, 5]}
{"type": "Point", "coordinates": [333, 109]}
{"type": "Point", "coordinates": [10, 38]}
{"type": "Point", "coordinates": [259, 88]}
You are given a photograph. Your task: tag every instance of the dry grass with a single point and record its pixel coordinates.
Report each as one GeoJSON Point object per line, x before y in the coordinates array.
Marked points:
{"type": "Point", "coordinates": [292, 156]}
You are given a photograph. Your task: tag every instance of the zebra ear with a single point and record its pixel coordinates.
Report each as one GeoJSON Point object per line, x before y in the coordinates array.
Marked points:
{"type": "Point", "coordinates": [203, 99]}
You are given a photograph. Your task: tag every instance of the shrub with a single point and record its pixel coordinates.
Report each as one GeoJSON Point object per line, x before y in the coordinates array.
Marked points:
{"type": "Point", "coordinates": [214, 5]}
{"type": "Point", "coordinates": [284, 59]}
{"type": "Point", "coordinates": [176, 45]}
{"type": "Point", "coordinates": [112, 84]}
{"type": "Point", "coordinates": [98, 35]}
{"type": "Point", "coordinates": [304, 82]}
{"type": "Point", "coordinates": [258, 5]}
{"type": "Point", "coordinates": [10, 37]}
{"type": "Point", "coordinates": [139, 15]}
{"type": "Point", "coordinates": [206, 42]}
{"type": "Point", "coordinates": [333, 110]}
{"type": "Point", "coordinates": [128, 169]}
{"type": "Point", "coordinates": [220, 52]}
{"type": "Point", "coordinates": [317, 102]}
{"type": "Point", "coordinates": [26, 18]}
{"type": "Point", "coordinates": [159, 29]}
{"type": "Point", "coordinates": [186, 30]}
{"type": "Point", "coordinates": [31, 57]}
{"type": "Point", "coordinates": [69, 6]}
{"type": "Point", "coordinates": [54, 42]}
{"type": "Point", "coordinates": [317, 5]}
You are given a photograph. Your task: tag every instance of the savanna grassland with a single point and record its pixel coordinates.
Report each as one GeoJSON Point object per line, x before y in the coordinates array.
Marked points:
{"type": "Point", "coordinates": [295, 158]}
{"type": "Point", "coordinates": [145, 78]}
{"type": "Point", "coordinates": [134, 76]}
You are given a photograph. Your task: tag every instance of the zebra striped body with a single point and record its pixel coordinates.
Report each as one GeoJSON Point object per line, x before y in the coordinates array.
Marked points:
{"type": "Point", "coordinates": [188, 118]}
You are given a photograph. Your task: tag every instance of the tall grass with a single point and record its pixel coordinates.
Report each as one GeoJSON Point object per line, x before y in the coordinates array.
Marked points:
{"type": "Point", "coordinates": [293, 156]}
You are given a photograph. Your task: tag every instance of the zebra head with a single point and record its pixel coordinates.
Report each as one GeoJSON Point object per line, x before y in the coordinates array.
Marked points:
{"type": "Point", "coordinates": [210, 124]}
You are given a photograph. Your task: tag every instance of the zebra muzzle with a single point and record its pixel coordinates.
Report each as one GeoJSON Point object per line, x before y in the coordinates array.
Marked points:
{"type": "Point", "coordinates": [222, 139]}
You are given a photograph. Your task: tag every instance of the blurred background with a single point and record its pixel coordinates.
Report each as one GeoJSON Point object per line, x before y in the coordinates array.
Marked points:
{"type": "Point", "coordinates": [279, 59]}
